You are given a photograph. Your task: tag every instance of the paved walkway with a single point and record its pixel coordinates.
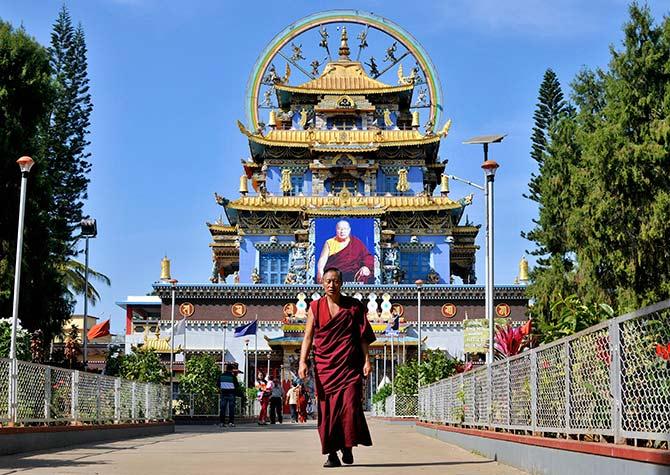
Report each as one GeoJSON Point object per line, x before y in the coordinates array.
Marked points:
{"type": "Point", "coordinates": [278, 449]}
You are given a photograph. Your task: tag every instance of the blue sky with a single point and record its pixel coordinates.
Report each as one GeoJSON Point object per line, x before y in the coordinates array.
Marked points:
{"type": "Point", "coordinates": [168, 81]}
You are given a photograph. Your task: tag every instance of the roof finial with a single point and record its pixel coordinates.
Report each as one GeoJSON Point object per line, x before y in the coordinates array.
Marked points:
{"type": "Point", "coordinates": [344, 46]}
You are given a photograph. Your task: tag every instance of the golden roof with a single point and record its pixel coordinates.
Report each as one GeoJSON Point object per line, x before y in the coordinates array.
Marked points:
{"type": "Point", "coordinates": [222, 228]}
{"type": "Point", "coordinates": [324, 204]}
{"type": "Point", "coordinates": [342, 139]}
{"type": "Point", "coordinates": [344, 77]}
{"type": "Point", "coordinates": [159, 345]}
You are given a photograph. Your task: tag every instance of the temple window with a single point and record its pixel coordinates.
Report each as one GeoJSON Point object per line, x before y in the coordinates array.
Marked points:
{"type": "Point", "coordinates": [274, 267]}
{"type": "Point", "coordinates": [337, 184]}
{"type": "Point", "coordinates": [415, 264]}
{"type": "Point", "coordinates": [390, 184]}
{"type": "Point", "coordinates": [297, 184]}
{"type": "Point", "coordinates": [343, 123]}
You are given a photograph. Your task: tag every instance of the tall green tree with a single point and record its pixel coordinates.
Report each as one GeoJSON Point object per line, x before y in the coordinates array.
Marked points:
{"type": "Point", "coordinates": [621, 226]}
{"type": "Point", "coordinates": [604, 214]}
{"type": "Point", "coordinates": [26, 96]}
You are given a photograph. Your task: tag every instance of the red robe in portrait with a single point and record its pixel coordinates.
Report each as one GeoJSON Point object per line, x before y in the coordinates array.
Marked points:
{"type": "Point", "coordinates": [350, 259]}
{"type": "Point", "coordinates": [338, 370]}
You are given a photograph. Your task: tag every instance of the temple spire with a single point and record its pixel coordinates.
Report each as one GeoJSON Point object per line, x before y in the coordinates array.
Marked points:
{"type": "Point", "coordinates": [344, 46]}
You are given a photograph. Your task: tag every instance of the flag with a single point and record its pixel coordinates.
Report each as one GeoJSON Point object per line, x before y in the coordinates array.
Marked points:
{"type": "Point", "coordinates": [98, 330]}
{"type": "Point", "coordinates": [248, 329]}
{"type": "Point", "coordinates": [179, 328]}
{"type": "Point", "coordinates": [393, 327]}
{"type": "Point", "coordinates": [527, 327]}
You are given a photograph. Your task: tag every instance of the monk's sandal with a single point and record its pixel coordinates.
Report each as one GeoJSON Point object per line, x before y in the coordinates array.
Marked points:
{"type": "Point", "coordinates": [332, 461]}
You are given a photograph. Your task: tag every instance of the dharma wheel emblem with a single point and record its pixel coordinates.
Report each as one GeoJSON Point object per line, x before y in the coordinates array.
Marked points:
{"type": "Point", "coordinates": [503, 310]}
{"type": "Point", "coordinates": [238, 310]}
{"type": "Point", "coordinates": [449, 310]}
{"type": "Point", "coordinates": [186, 309]}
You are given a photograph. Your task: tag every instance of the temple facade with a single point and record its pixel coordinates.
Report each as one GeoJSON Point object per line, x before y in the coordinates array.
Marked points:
{"type": "Point", "coordinates": [342, 173]}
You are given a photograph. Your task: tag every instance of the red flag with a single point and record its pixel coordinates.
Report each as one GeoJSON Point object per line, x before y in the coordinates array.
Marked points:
{"type": "Point", "coordinates": [99, 330]}
{"type": "Point", "coordinates": [527, 327]}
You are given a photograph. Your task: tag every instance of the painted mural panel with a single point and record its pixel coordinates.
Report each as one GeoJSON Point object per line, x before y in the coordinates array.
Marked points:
{"type": "Point", "coordinates": [348, 244]}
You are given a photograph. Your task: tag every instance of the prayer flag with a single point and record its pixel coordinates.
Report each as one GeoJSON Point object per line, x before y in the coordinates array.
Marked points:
{"type": "Point", "coordinates": [99, 330]}
{"type": "Point", "coordinates": [248, 329]}
{"type": "Point", "coordinates": [179, 328]}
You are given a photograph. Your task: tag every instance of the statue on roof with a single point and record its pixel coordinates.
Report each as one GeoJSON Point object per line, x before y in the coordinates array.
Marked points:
{"type": "Point", "coordinates": [388, 122]}
{"type": "Point", "coordinates": [267, 98]}
{"type": "Point", "coordinates": [324, 39]}
{"type": "Point", "coordinates": [390, 53]}
{"type": "Point", "coordinates": [297, 52]}
{"type": "Point", "coordinates": [363, 38]}
{"type": "Point", "coordinates": [374, 72]}
{"type": "Point", "coordinates": [255, 276]}
{"type": "Point", "coordinates": [315, 67]}
{"type": "Point", "coordinates": [272, 77]}
{"type": "Point", "coordinates": [421, 98]}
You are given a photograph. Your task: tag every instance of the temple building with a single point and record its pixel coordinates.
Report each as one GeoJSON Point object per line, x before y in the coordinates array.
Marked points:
{"type": "Point", "coordinates": [342, 173]}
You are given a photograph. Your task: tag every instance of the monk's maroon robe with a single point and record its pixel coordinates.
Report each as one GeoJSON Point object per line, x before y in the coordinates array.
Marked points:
{"type": "Point", "coordinates": [338, 371]}
{"type": "Point", "coordinates": [350, 259]}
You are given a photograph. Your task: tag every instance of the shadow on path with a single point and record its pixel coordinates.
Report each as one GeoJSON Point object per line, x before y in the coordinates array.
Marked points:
{"type": "Point", "coordinates": [419, 464]}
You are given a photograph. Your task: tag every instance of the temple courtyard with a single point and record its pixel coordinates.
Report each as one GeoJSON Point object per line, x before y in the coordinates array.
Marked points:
{"type": "Point", "coordinates": [277, 449]}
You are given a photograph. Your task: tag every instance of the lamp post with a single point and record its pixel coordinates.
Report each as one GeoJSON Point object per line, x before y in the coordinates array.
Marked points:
{"type": "Point", "coordinates": [489, 167]}
{"type": "Point", "coordinates": [419, 284]}
{"type": "Point", "coordinates": [25, 164]}
{"type": "Point", "coordinates": [89, 229]}
{"type": "Point", "coordinates": [173, 283]}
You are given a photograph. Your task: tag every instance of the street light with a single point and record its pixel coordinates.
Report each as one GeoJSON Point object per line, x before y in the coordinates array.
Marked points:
{"type": "Point", "coordinates": [25, 164]}
{"type": "Point", "coordinates": [419, 284]}
{"type": "Point", "coordinates": [489, 167]}
{"type": "Point", "coordinates": [172, 282]}
{"type": "Point", "coordinates": [89, 229]}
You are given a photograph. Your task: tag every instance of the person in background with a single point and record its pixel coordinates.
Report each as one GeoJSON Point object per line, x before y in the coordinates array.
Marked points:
{"type": "Point", "coordinates": [276, 399]}
{"type": "Point", "coordinates": [302, 404]}
{"type": "Point", "coordinates": [228, 386]}
{"type": "Point", "coordinates": [292, 396]}
{"type": "Point", "coordinates": [263, 396]}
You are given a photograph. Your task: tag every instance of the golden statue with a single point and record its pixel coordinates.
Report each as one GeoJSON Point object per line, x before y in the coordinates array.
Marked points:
{"type": "Point", "coordinates": [403, 184]}
{"type": "Point", "coordinates": [303, 117]}
{"type": "Point", "coordinates": [523, 270]}
{"type": "Point", "coordinates": [445, 130]}
{"type": "Point", "coordinates": [388, 122]}
{"type": "Point", "coordinates": [444, 184]}
{"type": "Point", "coordinates": [286, 186]}
{"type": "Point", "coordinates": [165, 269]}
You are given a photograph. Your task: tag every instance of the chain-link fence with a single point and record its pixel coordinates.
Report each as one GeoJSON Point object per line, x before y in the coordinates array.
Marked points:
{"type": "Point", "coordinates": [397, 405]}
{"type": "Point", "coordinates": [32, 392]}
{"type": "Point", "coordinates": [608, 380]}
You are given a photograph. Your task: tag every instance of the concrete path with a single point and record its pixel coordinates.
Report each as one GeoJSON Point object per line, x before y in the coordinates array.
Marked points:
{"type": "Point", "coordinates": [273, 449]}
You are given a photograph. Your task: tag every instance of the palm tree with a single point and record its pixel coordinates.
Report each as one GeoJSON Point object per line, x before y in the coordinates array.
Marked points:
{"type": "Point", "coordinates": [74, 276]}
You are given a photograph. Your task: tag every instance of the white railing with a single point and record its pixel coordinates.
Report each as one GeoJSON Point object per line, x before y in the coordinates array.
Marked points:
{"type": "Point", "coordinates": [397, 405]}
{"type": "Point", "coordinates": [31, 393]}
{"type": "Point", "coordinates": [606, 380]}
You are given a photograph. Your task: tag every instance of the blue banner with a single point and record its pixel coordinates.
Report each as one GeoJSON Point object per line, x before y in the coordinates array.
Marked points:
{"type": "Point", "coordinates": [248, 329]}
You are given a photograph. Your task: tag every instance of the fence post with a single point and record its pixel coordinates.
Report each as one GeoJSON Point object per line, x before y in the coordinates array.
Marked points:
{"type": "Point", "coordinates": [74, 400]}
{"type": "Point", "coordinates": [533, 391]}
{"type": "Point", "coordinates": [509, 392]}
{"type": "Point", "coordinates": [190, 404]}
{"type": "Point", "coordinates": [568, 379]}
{"type": "Point", "coordinates": [133, 400]}
{"type": "Point", "coordinates": [615, 379]}
{"type": "Point", "coordinates": [489, 397]}
{"type": "Point", "coordinates": [147, 403]}
{"type": "Point", "coordinates": [97, 399]}
{"type": "Point", "coordinates": [47, 393]}
{"type": "Point", "coordinates": [13, 377]}
{"type": "Point", "coordinates": [117, 400]}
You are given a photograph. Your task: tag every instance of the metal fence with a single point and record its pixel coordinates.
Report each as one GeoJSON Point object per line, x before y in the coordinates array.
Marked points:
{"type": "Point", "coordinates": [193, 405]}
{"type": "Point", "coordinates": [32, 392]}
{"type": "Point", "coordinates": [604, 381]}
{"type": "Point", "coordinates": [397, 405]}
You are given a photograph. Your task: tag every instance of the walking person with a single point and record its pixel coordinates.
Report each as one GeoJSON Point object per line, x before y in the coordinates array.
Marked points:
{"type": "Point", "coordinates": [276, 402]}
{"type": "Point", "coordinates": [292, 395]}
{"type": "Point", "coordinates": [264, 398]}
{"type": "Point", "coordinates": [341, 334]}
{"type": "Point", "coordinates": [302, 404]}
{"type": "Point", "coordinates": [228, 387]}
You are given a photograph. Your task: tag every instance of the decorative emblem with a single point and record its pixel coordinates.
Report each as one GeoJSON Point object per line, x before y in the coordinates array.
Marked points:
{"type": "Point", "coordinates": [186, 309]}
{"type": "Point", "coordinates": [449, 310]}
{"type": "Point", "coordinates": [503, 310]}
{"type": "Point", "coordinates": [386, 307]}
{"type": "Point", "coordinates": [238, 310]}
{"type": "Point", "coordinates": [397, 309]}
{"type": "Point", "coordinates": [290, 309]}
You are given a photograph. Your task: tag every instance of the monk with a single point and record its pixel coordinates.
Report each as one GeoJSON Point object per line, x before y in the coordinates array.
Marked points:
{"type": "Point", "coordinates": [348, 254]}
{"type": "Point", "coordinates": [341, 334]}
